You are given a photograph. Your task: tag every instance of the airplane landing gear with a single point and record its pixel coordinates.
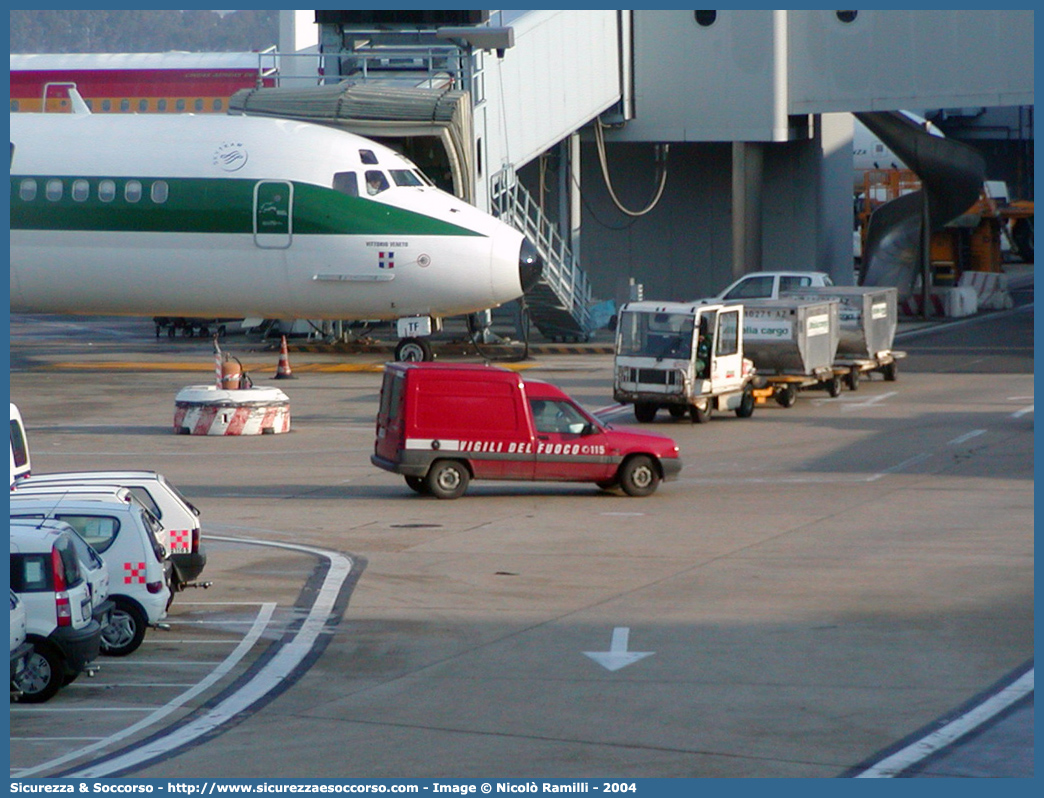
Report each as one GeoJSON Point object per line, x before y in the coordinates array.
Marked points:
{"type": "Point", "coordinates": [413, 350]}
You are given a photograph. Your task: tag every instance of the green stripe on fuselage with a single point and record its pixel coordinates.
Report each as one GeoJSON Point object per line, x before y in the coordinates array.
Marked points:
{"type": "Point", "coordinates": [212, 205]}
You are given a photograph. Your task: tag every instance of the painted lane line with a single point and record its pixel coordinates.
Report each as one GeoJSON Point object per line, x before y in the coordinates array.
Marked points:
{"type": "Point", "coordinates": [869, 403]}
{"type": "Point", "coordinates": [271, 676]}
{"type": "Point", "coordinates": [917, 458]}
{"type": "Point", "coordinates": [1022, 412]}
{"type": "Point", "coordinates": [618, 656]}
{"type": "Point", "coordinates": [967, 437]}
{"type": "Point", "coordinates": [901, 760]}
{"type": "Point", "coordinates": [158, 713]}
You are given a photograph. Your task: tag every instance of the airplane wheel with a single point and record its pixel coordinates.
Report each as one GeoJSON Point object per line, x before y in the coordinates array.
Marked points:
{"type": "Point", "coordinates": [413, 350]}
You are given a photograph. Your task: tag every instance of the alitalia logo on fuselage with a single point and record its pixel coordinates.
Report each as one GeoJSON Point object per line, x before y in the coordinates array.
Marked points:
{"type": "Point", "coordinates": [201, 205]}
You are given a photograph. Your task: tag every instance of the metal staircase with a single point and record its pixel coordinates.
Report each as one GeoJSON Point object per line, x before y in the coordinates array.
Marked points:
{"type": "Point", "coordinates": [560, 303]}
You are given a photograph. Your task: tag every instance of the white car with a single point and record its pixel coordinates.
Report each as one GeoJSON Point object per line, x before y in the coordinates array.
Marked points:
{"type": "Point", "coordinates": [181, 538]}
{"type": "Point", "coordinates": [20, 465]}
{"type": "Point", "coordinates": [771, 285]}
{"type": "Point", "coordinates": [46, 575]}
{"type": "Point", "coordinates": [124, 533]}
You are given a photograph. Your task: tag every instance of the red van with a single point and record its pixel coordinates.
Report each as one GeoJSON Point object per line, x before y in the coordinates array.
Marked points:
{"type": "Point", "coordinates": [441, 426]}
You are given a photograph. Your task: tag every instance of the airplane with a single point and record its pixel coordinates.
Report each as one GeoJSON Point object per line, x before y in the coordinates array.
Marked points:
{"type": "Point", "coordinates": [236, 216]}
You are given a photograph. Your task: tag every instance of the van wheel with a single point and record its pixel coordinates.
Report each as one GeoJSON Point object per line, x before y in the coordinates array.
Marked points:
{"type": "Point", "coordinates": [412, 350]}
{"type": "Point", "coordinates": [417, 484]}
{"type": "Point", "coordinates": [677, 411]}
{"type": "Point", "coordinates": [645, 412]}
{"type": "Point", "coordinates": [125, 631]}
{"type": "Point", "coordinates": [638, 476]}
{"type": "Point", "coordinates": [447, 479]}
{"type": "Point", "coordinates": [43, 676]}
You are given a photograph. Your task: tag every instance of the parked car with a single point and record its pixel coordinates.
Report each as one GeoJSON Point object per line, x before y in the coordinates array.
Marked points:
{"type": "Point", "coordinates": [769, 285]}
{"type": "Point", "coordinates": [94, 568]}
{"type": "Point", "coordinates": [182, 537]}
{"type": "Point", "coordinates": [46, 575]}
{"type": "Point", "coordinates": [442, 426]}
{"type": "Point", "coordinates": [20, 647]}
{"type": "Point", "coordinates": [123, 532]}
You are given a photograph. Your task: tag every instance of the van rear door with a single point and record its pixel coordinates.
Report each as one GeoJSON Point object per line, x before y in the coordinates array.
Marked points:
{"type": "Point", "coordinates": [391, 422]}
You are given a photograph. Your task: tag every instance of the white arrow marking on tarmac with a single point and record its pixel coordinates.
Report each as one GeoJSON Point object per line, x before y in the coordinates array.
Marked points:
{"type": "Point", "coordinates": [618, 656]}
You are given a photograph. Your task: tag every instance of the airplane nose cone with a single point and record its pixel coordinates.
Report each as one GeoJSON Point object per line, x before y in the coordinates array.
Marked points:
{"type": "Point", "coordinates": [530, 265]}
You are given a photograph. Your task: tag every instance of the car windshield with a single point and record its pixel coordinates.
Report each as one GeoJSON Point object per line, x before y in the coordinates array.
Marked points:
{"type": "Point", "coordinates": [659, 335]}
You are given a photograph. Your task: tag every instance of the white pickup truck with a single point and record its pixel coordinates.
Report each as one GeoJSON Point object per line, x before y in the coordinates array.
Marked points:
{"type": "Point", "coordinates": [771, 285]}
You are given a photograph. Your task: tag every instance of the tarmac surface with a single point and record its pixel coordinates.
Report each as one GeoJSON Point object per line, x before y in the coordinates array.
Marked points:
{"type": "Point", "coordinates": [825, 589]}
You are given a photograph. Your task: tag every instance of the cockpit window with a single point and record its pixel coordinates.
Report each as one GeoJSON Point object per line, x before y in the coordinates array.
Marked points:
{"type": "Point", "coordinates": [376, 182]}
{"type": "Point", "coordinates": [405, 177]}
{"type": "Point", "coordinates": [367, 156]}
{"type": "Point", "coordinates": [346, 183]}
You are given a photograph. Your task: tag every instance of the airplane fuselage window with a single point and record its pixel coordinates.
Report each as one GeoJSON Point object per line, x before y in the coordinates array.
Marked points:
{"type": "Point", "coordinates": [161, 104]}
{"type": "Point", "coordinates": [217, 104]}
{"type": "Point", "coordinates": [346, 183]}
{"type": "Point", "coordinates": [179, 104]}
{"type": "Point", "coordinates": [124, 105]}
{"type": "Point", "coordinates": [132, 191]}
{"type": "Point", "coordinates": [80, 190]}
{"type": "Point", "coordinates": [106, 105]}
{"type": "Point", "coordinates": [143, 105]}
{"type": "Point", "coordinates": [198, 104]}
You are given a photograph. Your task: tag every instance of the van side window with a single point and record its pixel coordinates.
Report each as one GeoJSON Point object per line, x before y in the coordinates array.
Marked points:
{"type": "Point", "coordinates": [98, 530]}
{"type": "Point", "coordinates": [346, 183]}
{"type": "Point", "coordinates": [728, 333]}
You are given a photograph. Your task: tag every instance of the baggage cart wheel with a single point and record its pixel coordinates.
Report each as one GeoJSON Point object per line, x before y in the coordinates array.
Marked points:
{"type": "Point", "coordinates": [786, 395]}
{"type": "Point", "coordinates": [447, 479]}
{"type": "Point", "coordinates": [746, 405]}
{"type": "Point", "coordinates": [645, 412]}
{"type": "Point", "coordinates": [833, 386]}
{"type": "Point", "coordinates": [701, 411]}
{"type": "Point", "coordinates": [638, 476]}
{"type": "Point", "coordinates": [890, 371]}
{"type": "Point", "coordinates": [853, 379]}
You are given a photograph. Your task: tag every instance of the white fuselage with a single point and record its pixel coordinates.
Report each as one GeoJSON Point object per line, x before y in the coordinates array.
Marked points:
{"type": "Point", "coordinates": [214, 216]}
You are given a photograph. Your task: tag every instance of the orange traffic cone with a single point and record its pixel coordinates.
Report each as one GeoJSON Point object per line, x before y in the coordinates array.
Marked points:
{"type": "Point", "coordinates": [283, 369]}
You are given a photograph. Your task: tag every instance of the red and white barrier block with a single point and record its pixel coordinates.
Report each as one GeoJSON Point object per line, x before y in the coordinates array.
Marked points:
{"type": "Point", "coordinates": [209, 410]}
{"type": "Point", "coordinates": [950, 302]}
{"type": "Point", "coordinates": [991, 288]}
